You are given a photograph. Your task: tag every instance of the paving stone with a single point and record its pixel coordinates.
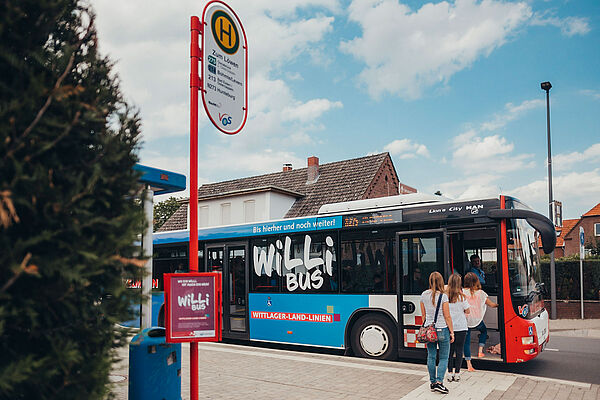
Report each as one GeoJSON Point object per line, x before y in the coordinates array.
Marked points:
{"type": "Point", "coordinates": [231, 371]}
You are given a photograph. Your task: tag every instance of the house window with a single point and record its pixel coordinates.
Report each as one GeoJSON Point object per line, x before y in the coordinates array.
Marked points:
{"type": "Point", "coordinates": [203, 216]}
{"type": "Point", "coordinates": [596, 229]}
{"type": "Point", "coordinates": [249, 206]}
{"type": "Point", "coordinates": [225, 213]}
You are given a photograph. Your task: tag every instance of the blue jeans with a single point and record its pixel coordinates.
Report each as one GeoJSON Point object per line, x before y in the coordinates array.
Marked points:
{"type": "Point", "coordinates": [482, 339]}
{"type": "Point", "coordinates": [444, 346]}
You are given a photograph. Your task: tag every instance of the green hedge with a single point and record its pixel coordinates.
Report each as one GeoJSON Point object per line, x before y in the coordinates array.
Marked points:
{"type": "Point", "coordinates": [567, 279]}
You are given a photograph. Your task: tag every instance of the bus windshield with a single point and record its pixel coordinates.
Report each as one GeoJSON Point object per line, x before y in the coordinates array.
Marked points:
{"type": "Point", "coordinates": [524, 268]}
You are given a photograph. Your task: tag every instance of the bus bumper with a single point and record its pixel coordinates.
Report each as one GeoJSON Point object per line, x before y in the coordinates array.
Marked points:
{"type": "Point", "coordinates": [528, 337]}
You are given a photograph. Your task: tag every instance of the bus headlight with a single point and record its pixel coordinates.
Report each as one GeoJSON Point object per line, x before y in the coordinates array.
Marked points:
{"type": "Point", "coordinates": [529, 351]}
{"type": "Point", "coordinates": [527, 339]}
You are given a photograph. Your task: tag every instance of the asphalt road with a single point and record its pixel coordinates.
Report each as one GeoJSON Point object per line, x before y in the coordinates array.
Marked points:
{"type": "Point", "coordinates": [566, 357]}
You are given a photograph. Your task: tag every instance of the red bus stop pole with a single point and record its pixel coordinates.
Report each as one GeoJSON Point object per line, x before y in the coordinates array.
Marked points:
{"type": "Point", "coordinates": [193, 254]}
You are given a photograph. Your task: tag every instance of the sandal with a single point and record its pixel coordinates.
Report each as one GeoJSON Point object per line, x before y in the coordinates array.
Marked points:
{"type": "Point", "coordinates": [494, 349]}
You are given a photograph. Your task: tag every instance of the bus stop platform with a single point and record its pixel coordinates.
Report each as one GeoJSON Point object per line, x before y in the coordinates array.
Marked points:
{"type": "Point", "coordinates": [238, 371]}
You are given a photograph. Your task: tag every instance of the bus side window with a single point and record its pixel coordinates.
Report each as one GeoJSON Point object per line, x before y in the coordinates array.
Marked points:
{"type": "Point", "coordinates": [264, 282]}
{"type": "Point", "coordinates": [368, 264]}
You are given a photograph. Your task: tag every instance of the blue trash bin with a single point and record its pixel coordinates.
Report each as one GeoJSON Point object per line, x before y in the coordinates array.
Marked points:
{"type": "Point", "coordinates": [154, 367]}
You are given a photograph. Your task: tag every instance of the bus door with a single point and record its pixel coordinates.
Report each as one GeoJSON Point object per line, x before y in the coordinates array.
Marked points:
{"type": "Point", "coordinates": [419, 254]}
{"type": "Point", "coordinates": [230, 259]}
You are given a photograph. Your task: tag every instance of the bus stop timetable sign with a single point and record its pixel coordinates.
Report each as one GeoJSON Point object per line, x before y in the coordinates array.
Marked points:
{"type": "Point", "coordinates": [224, 68]}
{"type": "Point", "coordinates": [193, 307]}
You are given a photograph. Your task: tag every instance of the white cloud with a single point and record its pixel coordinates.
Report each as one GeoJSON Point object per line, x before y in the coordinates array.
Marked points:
{"type": "Point", "coordinates": [473, 148]}
{"type": "Point", "coordinates": [406, 148]}
{"type": "Point", "coordinates": [594, 94]}
{"type": "Point", "coordinates": [310, 110]}
{"type": "Point", "coordinates": [407, 51]}
{"type": "Point", "coordinates": [569, 26]}
{"type": "Point", "coordinates": [483, 148]}
{"type": "Point", "coordinates": [273, 43]}
{"type": "Point", "coordinates": [230, 160]}
{"type": "Point", "coordinates": [153, 63]}
{"type": "Point", "coordinates": [565, 161]}
{"type": "Point", "coordinates": [471, 187]}
{"type": "Point", "coordinates": [576, 190]}
{"type": "Point", "coordinates": [512, 112]}
{"type": "Point", "coordinates": [472, 152]}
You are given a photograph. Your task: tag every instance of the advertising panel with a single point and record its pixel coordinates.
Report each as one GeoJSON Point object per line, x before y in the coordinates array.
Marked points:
{"type": "Point", "coordinates": [224, 68]}
{"type": "Point", "coordinates": [193, 305]}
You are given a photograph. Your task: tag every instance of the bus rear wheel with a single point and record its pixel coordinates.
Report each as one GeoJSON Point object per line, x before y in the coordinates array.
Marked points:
{"type": "Point", "coordinates": [373, 337]}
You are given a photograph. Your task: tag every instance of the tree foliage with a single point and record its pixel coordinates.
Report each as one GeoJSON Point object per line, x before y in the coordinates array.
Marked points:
{"type": "Point", "coordinates": [594, 247]}
{"type": "Point", "coordinates": [68, 219]}
{"type": "Point", "coordinates": [163, 211]}
{"type": "Point", "coordinates": [568, 278]}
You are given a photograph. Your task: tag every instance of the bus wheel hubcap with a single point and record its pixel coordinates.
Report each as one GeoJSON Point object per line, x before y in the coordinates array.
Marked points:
{"type": "Point", "coordinates": [374, 340]}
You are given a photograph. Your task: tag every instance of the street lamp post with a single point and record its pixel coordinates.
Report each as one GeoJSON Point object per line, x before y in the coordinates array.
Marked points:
{"type": "Point", "coordinates": [547, 86]}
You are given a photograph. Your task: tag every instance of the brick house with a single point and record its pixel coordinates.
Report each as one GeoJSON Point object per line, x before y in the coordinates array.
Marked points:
{"type": "Point", "coordinates": [590, 221]}
{"type": "Point", "coordinates": [567, 240]}
{"type": "Point", "coordinates": [291, 192]}
{"type": "Point", "coordinates": [562, 231]}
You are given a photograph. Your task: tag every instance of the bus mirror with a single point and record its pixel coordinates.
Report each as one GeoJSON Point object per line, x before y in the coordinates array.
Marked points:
{"type": "Point", "coordinates": [540, 223]}
{"type": "Point", "coordinates": [546, 231]}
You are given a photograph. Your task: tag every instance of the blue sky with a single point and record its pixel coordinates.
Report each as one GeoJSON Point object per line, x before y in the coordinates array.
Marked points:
{"type": "Point", "coordinates": [450, 89]}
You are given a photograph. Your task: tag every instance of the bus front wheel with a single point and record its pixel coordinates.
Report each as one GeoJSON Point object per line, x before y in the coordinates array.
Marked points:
{"type": "Point", "coordinates": [373, 337]}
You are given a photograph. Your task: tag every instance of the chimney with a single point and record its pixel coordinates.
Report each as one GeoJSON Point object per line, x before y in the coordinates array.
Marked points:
{"type": "Point", "coordinates": [287, 167]}
{"type": "Point", "coordinates": [312, 171]}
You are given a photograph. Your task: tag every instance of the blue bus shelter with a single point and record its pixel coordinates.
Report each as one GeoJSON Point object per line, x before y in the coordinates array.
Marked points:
{"type": "Point", "coordinates": [155, 181]}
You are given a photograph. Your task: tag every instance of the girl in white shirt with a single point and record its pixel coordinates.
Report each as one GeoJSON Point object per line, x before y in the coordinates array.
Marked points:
{"type": "Point", "coordinates": [444, 329]}
{"type": "Point", "coordinates": [458, 308]}
{"type": "Point", "coordinates": [478, 300]}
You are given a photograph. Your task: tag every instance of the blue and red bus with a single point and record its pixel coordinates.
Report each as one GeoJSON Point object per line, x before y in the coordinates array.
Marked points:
{"type": "Point", "coordinates": [350, 278]}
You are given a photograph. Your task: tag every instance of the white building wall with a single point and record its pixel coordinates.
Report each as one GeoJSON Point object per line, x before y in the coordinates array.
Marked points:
{"type": "Point", "coordinates": [280, 204]}
{"type": "Point", "coordinates": [267, 206]}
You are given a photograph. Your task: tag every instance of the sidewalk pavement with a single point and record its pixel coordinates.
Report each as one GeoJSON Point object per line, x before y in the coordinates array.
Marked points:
{"type": "Point", "coordinates": [235, 371]}
{"type": "Point", "coordinates": [575, 327]}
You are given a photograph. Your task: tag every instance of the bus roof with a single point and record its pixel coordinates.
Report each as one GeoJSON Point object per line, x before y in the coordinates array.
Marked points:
{"type": "Point", "coordinates": [383, 202]}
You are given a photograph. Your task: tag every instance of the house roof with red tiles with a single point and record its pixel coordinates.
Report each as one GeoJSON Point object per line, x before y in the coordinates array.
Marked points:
{"type": "Point", "coordinates": [568, 225]}
{"type": "Point", "coordinates": [594, 212]}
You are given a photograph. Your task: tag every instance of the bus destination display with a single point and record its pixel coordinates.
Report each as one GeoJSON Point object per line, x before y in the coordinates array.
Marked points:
{"type": "Point", "coordinates": [373, 218]}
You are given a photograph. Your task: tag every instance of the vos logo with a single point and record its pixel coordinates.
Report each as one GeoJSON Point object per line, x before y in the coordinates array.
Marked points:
{"type": "Point", "coordinates": [225, 119]}
{"type": "Point", "coordinates": [524, 310]}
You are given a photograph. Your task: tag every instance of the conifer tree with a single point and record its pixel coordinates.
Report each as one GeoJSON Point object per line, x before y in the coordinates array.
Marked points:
{"type": "Point", "coordinates": [68, 214]}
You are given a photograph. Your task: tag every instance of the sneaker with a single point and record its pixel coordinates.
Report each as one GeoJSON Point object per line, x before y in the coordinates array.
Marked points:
{"type": "Point", "coordinates": [439, 387]}
{"type": "Point", "coordinates": [456, 377]}
{"type": "Point", "coordinates": [432, 387]}
{"type": "Point", "coordinates": [450, 377]}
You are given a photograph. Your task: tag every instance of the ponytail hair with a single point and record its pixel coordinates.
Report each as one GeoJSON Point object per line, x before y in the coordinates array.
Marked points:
{"type": "Point", "coordinates": [472, 282]}
{"type": "Point", "coordinates": [436, 284]}
{"type": "Point", "coordinates": [454, 291]}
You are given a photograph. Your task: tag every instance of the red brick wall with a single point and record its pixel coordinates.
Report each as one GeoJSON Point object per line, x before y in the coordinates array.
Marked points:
{"type": "Point", "coordinates": [571, 309]}
{"type": "Point", "coordinates": [385, 182]}
{"type": "Point", "coordinates": [572, 239]}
